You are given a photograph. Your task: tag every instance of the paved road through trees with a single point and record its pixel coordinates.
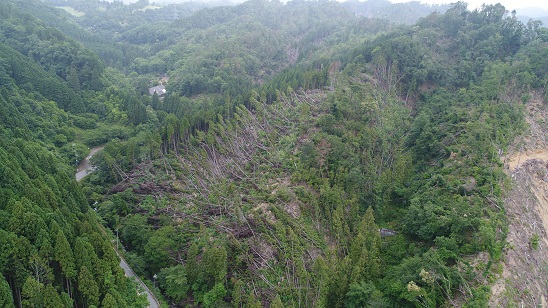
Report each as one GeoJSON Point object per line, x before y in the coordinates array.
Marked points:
{"type": "Point", "coordinates": [153, 303]}
{"type": "Point", "coordinates": [83, 170]}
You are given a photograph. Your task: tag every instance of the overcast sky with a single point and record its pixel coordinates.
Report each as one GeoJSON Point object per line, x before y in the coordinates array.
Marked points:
{"type": "Point", "coordinates": [508, 4]}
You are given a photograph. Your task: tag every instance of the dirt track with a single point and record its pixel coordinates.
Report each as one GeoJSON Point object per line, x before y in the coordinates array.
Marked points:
{"type": "Point", "coordinates": [518, 159]}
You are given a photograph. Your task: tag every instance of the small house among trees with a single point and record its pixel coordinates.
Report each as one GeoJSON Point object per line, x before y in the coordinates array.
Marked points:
{"type": "Point", "coordinates": [160, 90]}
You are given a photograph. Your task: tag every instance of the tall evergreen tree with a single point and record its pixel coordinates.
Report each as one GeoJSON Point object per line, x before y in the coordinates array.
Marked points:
{"type": "Point", "coordinates": [88, 287]}
{"type": "Point", "coordinates": [65, 257]}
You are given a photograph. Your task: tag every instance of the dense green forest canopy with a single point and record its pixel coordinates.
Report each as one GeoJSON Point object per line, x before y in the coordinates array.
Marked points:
{"type": "Point", "coordinates": [54, 252]}
{"type": "Point", "coordinates": [292, 138]}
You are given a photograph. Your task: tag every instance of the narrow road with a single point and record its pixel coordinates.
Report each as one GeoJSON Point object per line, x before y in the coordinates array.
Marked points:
{"type": "Point", "coordinates": [83, 170]}
{"type": "Point", "coordinates": [85, 166]}
{"type": "Point", "coordinates": [153, 303]}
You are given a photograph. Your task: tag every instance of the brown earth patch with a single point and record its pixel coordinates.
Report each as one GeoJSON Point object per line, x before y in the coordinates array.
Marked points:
{"type": "Point", "coordinates": [523, 281]}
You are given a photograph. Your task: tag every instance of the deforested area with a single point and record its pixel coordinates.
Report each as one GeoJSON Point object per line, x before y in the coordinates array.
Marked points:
{"type": "Point", "coordinates": [269, 154]}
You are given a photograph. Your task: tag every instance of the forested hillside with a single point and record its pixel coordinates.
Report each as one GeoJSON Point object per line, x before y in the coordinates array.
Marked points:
{"type": "Point", "coordinates": [53, 250]}
{"type": "Point", "coordinates": [306, 154]}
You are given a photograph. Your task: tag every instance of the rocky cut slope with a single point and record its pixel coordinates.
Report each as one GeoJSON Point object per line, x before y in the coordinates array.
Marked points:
{"type": "Point", "coordinates": [524, 275]}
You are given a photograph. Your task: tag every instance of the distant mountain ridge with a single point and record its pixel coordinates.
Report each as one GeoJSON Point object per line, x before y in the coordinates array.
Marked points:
{"type": "Point", "coordinates": [533, 12]}
{"type": "Point", "coordinates": [527, 13]}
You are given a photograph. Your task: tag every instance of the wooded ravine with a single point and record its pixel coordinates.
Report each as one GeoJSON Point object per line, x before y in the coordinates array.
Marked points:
{"type": "Point", "coordinates": [269, 154]}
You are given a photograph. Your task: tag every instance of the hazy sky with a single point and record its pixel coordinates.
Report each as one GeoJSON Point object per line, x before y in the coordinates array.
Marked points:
{"type": "Point", "coordinates": [472, 4]}
{"type": "Point", "coordinates": [508, 4]}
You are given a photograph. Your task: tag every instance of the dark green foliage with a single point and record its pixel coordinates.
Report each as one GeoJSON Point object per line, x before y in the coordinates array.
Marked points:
{"type": "Point", "coordinates": [135, 232]}
{"type": "Point", "coordinates": [46, 226]}
{"type": "Point", "coordinates": [33, 78]}
{"type": "Point", "coordinates": [50, 48]}
{"type": "Point", "coordinates": [64, 255]}
{"type": "Point", "coordinates": [364, 294]}
{"type": "Point", "coordinates": [6, 299]}
{"type": "Point", "coordinates": [88, 286]}
{"type": "Point", "coordinates": [159, 248]}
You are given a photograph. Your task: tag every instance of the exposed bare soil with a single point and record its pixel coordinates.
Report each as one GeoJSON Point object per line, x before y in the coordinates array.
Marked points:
{"type": "Point", "coordinates": [524, 278]}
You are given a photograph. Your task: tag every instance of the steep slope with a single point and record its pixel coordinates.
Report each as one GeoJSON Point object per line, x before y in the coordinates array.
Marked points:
{"type": "Point", "coordinates": [54, 51]}
{"type": "Point", "coordinates": [54, 252]}
{"type": "Point", "coordinates": [278, 196]}
{"type": "Point", "coordinates": [525, 267]}
{"type": "Point", "coordinates": [259, 181]}
{"type": "Point", "coordinates": [20, 70]}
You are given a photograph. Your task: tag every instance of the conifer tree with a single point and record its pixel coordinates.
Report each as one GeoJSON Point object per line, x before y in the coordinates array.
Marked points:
{"type": "Point", "coordinates": [340, 228]}
{"type": "Point", "coordinates": [32, 293]}
{"type": "Point", "coordinates": [214, 296]}
{"type": "Point", "coordinates": [65, 257]}
{"type": "Point", "coordinates": [109, 301]}
{"type": "Point", "coordinates": [73, 79]}
{"type": "Point", "coordinates": [192, 264]}
{"type": "Point", "coordinates": [43, 243]}
{"type": "Point", "coordinates": [214, 263]}
{"type": "Point", "coordinates": [84, 254]}
{"type": "Point", "coordinates": [372, 241]}
{"type": "Point", "coordinates": [237, 292]}
{"type": "Point", "coordinates": [51, 298]}
{"type": "Point", "coordinates": [88, 287]}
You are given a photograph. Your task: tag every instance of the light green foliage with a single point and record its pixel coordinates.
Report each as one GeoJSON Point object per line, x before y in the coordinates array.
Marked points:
{"type": "Point", "coordinates": [277, 302]}
{"type": "Point", "coordinates": [32, 293]}
{"type": "Point", "coordinates": [365, 249]}
{"type": "Point", "coordinates": [36, 294]}
{"type": "Point", "coordinates": [238, 294]}
{"type": "Point", "coordinates": [174, 280]}
{"type": "Point", "coordinates": [213, 297]}
{"type": "Point", "coordinates": [252, 301]}
{"type": "Point", "coordinates": [535, 241]}
{"type": "Point", "coordinates": [159, 248]}
{"type": "Point", "coordinates": [50, 297]}
{"type": "Point", "coordinates": [214, 263]}
{"type": "Point", "coordinates": [209, 273]}
{"type": "Point", "coordinates": [109, 301]}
